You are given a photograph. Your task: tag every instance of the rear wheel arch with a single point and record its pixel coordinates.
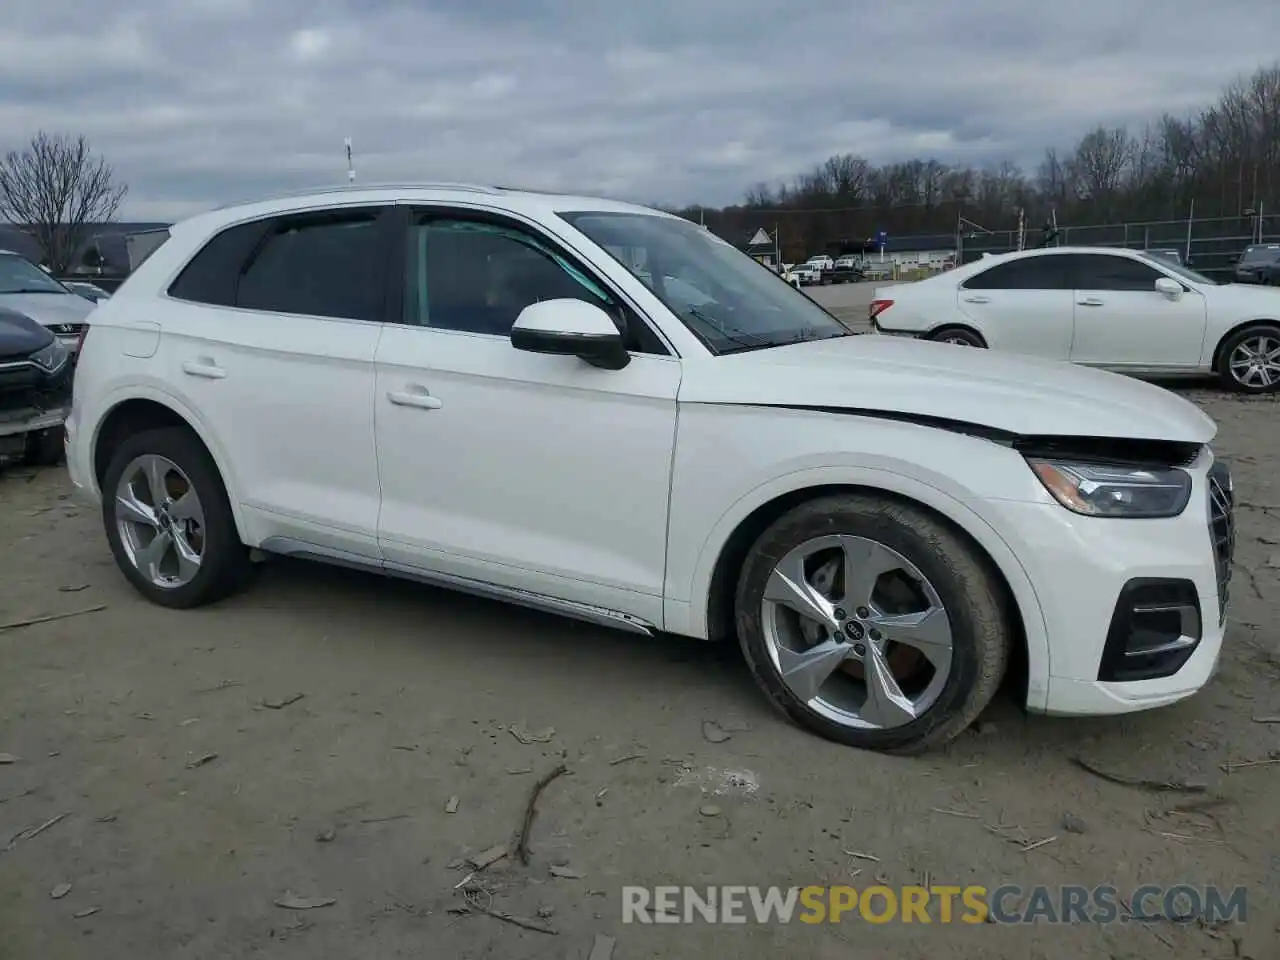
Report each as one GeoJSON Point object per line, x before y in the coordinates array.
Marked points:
{"type": "Point", "coordinates": [138, 414]}
{"type": "Point", "coordinates": [1021, 602]}
{"type": "Point", "coordinates": [939, 332]}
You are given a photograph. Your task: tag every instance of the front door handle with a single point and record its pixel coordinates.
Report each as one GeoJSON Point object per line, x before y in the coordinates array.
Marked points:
{"type": "Point", "coordinates": [204, 367]}
{"type": "Point", "coordinates": [1089, 302]}
{"type": "Point", "coordinates": [977, 299]}
{"type": "Point", "coordinates": [415, 396]}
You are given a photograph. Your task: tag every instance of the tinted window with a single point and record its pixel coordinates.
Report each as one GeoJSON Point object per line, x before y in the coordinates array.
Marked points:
{"type": "Point", "coordinates": [212, 274]}
{"type": "Point", "coordinates": [1031, 273]}
{"type": "Point", "coordinates": [477, 277]}
{"type": "Point", "coordinates": [327, 265]}
{"type": "Point", "coordinates": [1101, 272]}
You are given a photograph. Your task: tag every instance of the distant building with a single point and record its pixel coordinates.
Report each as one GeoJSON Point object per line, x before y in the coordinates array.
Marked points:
{"type": "Point", "coordinates": [762, 247]}
{"type": "Point", "coordinates": [105, 251]}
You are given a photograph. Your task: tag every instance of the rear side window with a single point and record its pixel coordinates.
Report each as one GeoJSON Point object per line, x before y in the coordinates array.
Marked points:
{"type": "Point", "coordinates": [1031, 273]}
{"type": "Point", "coordinates": [1102, 272]}
{"type": "Point", "coordinates": [329, 264]}
{"type": "Point", "coordinates": [212, 274]}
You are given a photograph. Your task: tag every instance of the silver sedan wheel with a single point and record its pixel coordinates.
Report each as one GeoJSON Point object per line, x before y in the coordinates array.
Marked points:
{"type": "Point", "coordinates": [160, 521]}
{"type": "Point", "coordinates": [1255, 362]}
{"type": "Point", "coordinates": [856, 632]}
{"type": "Point", "coordinates": [957, 339]}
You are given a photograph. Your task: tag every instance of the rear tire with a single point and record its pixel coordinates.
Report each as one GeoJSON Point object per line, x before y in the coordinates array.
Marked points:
{"type": "Point", "coordinates": [871, 533]}
{"type": "Point", "coordinates": [223, 564]}
{"type": "Point", "coordinates": [1241, 374]}
{"type": "Point", "coordinates": [959, 336]}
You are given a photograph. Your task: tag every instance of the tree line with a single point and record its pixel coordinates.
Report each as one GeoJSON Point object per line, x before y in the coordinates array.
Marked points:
{"type": "Point", "coordinates": [1223, 161]}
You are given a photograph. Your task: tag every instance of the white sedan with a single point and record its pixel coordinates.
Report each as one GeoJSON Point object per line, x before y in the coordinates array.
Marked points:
{"type": "Point", "coordinates": [1117, 309]}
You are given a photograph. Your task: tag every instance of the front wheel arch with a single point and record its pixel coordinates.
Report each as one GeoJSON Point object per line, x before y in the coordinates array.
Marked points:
{"type": "Point", "coordinates": [720, 597]}
{"type": "Point", "coordinates": [1216, 363]}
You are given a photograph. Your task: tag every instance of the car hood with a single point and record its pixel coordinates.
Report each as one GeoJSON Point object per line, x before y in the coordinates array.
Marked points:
{"type": "Point", "coordinates": [49, 308]}
{"type": "Point", "coordinates": [20, 336]}
{"type": "Point", "coordinates": [912, 378]}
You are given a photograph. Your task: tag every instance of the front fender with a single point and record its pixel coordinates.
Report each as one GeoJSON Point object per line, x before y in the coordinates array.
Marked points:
{"type": "Point", "coordinates": [691, 616]}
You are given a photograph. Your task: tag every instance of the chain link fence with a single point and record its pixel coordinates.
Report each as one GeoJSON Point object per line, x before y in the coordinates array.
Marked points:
{"type": "Point", "coordinates": [1209, 245]}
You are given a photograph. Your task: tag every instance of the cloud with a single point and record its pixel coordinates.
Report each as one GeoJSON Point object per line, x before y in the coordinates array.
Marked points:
{"type": "Point", "coordinates": [213, 100]}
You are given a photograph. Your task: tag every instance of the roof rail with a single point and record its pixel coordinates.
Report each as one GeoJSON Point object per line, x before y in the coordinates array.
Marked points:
{"type": "Point", "coordinates": [360, 187]}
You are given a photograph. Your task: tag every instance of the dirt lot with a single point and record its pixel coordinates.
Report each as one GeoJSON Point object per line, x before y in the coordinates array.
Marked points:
{"type": "Point", "coordinates": [193, 798]}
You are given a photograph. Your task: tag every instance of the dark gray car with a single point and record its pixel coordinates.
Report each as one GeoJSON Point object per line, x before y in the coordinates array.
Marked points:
{"type": "Point", "coordinates": [27, 289]}
{"type": "Point", "coordinates": [1259, 264]}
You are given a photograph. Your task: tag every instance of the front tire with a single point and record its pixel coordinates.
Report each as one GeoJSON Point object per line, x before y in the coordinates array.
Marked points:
{"type": "Point", "coordinates": [871, 623]}
{"type": "Point", "coordinates": [169, 522]}
{"type": "Point", "coordinates": [1250, 360]}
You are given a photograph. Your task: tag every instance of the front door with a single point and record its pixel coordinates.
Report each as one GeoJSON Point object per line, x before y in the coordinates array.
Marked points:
{"type": "Point", "coordinates": [1122, 320]}
{"type": "Point", "coordinates": [533, 472]}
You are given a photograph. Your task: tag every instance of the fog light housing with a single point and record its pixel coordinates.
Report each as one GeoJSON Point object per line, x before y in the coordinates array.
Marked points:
{"type": "Point", "coordinates": [1155, 629]}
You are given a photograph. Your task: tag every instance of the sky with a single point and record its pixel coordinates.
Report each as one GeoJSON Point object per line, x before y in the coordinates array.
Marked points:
{"type": "Point", "coordinates": [201, 102]}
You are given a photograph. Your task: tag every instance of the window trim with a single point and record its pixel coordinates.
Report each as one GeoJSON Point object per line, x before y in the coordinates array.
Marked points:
{"type": "Point", "coordinates": [415, 209]}
{"type": "Point", "coordinates": [266, 225]}
{"type": "Point", "coordinates": [964, 284]}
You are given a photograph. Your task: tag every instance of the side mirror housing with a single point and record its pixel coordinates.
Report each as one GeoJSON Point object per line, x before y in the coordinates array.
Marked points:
{"type": "Point", "coordinates": [1169, 287]}
{"type": "Point", "coordinates": [571, 328]}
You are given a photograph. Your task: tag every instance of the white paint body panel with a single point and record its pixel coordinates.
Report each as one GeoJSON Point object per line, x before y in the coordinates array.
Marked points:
{"type": "Point", "coordinates": [1127, 331]}
{"type": "Point", "coordinates": [618, 489]}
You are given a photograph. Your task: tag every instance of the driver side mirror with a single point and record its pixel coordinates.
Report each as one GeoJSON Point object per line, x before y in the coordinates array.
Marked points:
{"type": "Point", "coordinates": [1169, 287]}
{"type": "Point", "coordinates": [572, 328]}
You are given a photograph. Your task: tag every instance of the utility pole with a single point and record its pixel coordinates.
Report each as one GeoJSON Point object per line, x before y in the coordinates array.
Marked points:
{"type": "Point", "coordinates": [351, 170]}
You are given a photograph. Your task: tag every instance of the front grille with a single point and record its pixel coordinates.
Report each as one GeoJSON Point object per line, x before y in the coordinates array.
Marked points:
{"type": "Point", "coordinates": [26, 389]}
{"type": "Point", "coordinates": [1222, 531]}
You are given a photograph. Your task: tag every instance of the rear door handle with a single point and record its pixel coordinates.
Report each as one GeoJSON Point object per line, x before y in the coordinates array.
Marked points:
{"type": "Point", "coordinates": [977, 299]}
{"type": "Point", "coordinates": [415, 396]}
{"type": "Point", "coordinates": [1090, 302]}
{"type": "Point", "coordinates": [203, 368]}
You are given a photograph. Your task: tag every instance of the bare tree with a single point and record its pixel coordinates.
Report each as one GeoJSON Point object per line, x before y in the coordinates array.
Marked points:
{"type": "Point", "coordinates": [54, 188]}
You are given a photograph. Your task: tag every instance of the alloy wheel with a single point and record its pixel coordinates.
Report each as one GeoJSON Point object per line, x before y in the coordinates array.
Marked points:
{"type": "Point", "coordinates": [1255, 361]}
{"type": "Point", "coordinates": [160, 520]}
{"type": "Point", "coordinates": [856, 632]}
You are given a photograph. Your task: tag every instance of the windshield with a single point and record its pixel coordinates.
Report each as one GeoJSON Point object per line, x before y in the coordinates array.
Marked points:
{"type": "Point", "coordinates": [18, 275]}
{"type": "Point", "coordinates": [1185, 272]}
{"type": "Point", "coordinates": [726, 298]}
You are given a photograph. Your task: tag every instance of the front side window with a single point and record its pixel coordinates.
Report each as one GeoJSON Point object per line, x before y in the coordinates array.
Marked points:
{"type": "Point", "coordinates": [19, 275]}
{"type": "Point", "coordinates": [1256, 256]}
{"type": "Point", "coordinates": [1103, 272]}
{"type": "Point", "coordinates": [323, 265]}
{"type": "Point", "coordinates": [1047, 272]}
{"type": "Point", "coordinates": [723, 296]}
{"type": "Point", "coordinates": [477, 277]}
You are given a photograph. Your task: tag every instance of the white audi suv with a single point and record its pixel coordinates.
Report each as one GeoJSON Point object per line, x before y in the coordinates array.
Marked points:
{"type": "Point", "coordinates": [605, 411]}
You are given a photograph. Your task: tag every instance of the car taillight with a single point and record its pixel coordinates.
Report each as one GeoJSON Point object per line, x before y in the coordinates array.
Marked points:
{"type": "Point", "coordinates": [877, 307]}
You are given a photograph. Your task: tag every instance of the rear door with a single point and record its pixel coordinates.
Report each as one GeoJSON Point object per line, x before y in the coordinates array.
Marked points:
{"type": "Point", "coordinates": [1122, 320]}
{"type": "Point", "coordinates": [1022, 305]}
{"type": "Point", "coordinates": [269, 337]}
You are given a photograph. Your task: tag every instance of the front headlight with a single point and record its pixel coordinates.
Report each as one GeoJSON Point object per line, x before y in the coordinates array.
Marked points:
{"type": "Point", "coordinates": [52, 357]}
{"type": "Point", "coordinates": [1114, 490]}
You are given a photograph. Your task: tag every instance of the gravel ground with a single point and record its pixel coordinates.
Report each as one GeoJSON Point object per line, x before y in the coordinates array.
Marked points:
{"type": "Point", "coordinates": [196, 789]}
